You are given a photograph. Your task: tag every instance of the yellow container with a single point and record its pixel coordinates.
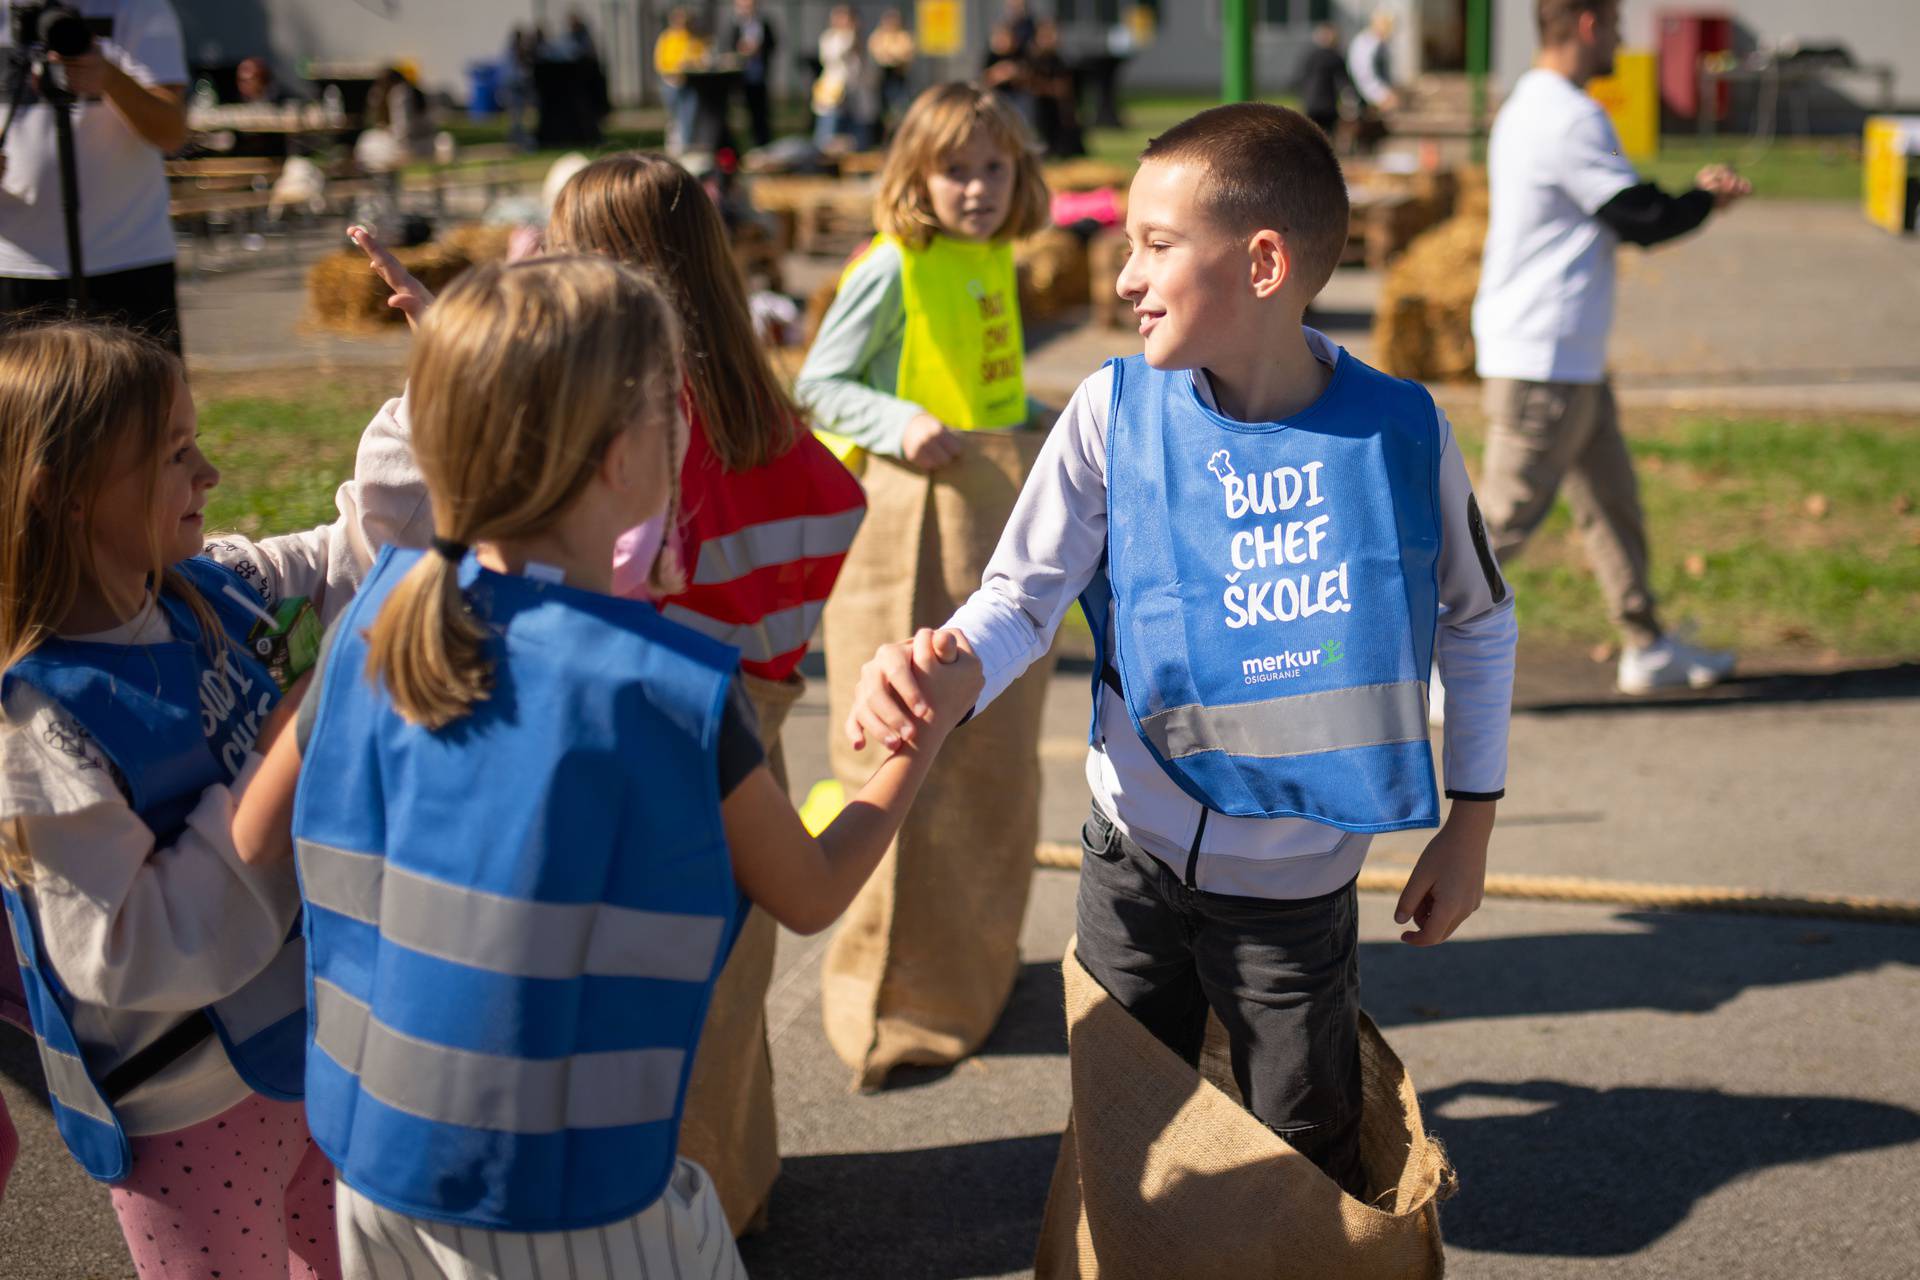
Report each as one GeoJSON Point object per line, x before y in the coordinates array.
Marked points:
{"type": "Point", "coordinates": [1631, 96]}
{"type": "Point", "coordinates": [941, 27]}
{"type": "Point", "coordinates": [1891, 145]}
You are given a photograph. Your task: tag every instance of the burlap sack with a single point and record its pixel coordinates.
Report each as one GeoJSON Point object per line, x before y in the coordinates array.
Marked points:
{"type": "Point", "coordinates": [1163, 1174]}
{"type": "Point", "coordinates": [927, 954]}
{"type": "Point", "coordinates": [729, 1127]}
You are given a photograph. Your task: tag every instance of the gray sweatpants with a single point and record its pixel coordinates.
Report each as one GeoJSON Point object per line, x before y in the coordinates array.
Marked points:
{"type": "Point", "coordinates": [1541, 435]}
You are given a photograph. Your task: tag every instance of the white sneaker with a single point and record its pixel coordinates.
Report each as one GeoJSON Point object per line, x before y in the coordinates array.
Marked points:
{"type": "Point", "coordinates": [1670, 663]}
{"type": "Point", "coordinates": [1436, 700]}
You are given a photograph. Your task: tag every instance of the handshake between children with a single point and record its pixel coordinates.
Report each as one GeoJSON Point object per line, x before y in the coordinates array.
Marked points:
{"type": "Point", "coordinates": [912, 693]}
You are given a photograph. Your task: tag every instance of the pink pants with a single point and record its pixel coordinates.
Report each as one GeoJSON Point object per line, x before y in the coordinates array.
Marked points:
{"type": "Point", "coordinates": [243, 1196]}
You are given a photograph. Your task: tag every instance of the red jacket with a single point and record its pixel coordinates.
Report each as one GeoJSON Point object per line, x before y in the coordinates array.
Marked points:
{"type": "Point", "coordinates": [762, 548]}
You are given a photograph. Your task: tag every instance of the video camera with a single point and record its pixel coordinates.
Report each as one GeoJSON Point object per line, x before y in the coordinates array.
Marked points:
{"type": "Point", "coordinates": [57, 28]}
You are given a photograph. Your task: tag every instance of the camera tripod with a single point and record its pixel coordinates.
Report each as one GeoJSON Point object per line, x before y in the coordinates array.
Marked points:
{"type": "Point", "coordinates": [29, 66]}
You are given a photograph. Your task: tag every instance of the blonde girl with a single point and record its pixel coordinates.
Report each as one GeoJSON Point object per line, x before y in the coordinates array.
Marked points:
{"type": "Point", "coordinates": [529, 811]}
{"type": "Point", "coordinates": [164, 990]}
{"type": "Point", "coordinates": [764, 519]}
{"type": "Point", "coordinates": [918, 375]}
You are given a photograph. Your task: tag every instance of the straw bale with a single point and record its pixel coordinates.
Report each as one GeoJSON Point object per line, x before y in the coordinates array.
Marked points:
{"type": "Point", "coordinates": [1087, 175]}
{"type": "Point", "coordinates": [1052, 266]}
{"type": "Point", "coordinates": [343, 292]}
{"type": "Point", "coordinates": [479, 241]}
{"type": "Point", "coordinates": [1423, 323]}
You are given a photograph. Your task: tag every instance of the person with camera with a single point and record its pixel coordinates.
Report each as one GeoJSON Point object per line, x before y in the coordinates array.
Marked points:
{"type": "Point", "coordinates": [125, 75]}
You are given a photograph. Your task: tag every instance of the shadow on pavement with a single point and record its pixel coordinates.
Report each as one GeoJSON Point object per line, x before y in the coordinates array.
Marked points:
{"type": "Point", "coordinates": [1033, 1023]}
{"type": "Point", "coordinates": [1901, 680]}
{"type": "Point", "coordinates": [1560, 1169]}
{"type": "Point", "coordinates": [1677, 964]}
{"type": "Point", "coordinates": [967, 1210]}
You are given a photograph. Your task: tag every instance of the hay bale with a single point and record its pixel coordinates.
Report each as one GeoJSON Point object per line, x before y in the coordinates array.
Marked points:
{"type": "Point", "coordinates": [1422, 325]}
{"type": "Point", "coordinates": [1106, 256]}
{"type": "Point", "coordinates": [1052, 266]}
{"type": "Point", "coordinates": [343, 293]}
{"type": "Point", "coordinates": [1086, 175]}
{"type": "Point", "coordinates": [479, 241]}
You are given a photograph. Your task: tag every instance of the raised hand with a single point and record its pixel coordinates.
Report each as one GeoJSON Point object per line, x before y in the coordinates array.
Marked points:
{"type": "Point", "coordinates": [410, 297]}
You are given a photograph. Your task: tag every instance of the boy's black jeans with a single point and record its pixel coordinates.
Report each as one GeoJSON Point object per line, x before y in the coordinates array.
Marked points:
{"type": "Point", "coordinates": [1282, 976]}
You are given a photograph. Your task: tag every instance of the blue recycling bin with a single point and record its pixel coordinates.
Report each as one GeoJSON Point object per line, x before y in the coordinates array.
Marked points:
{"type": "Point", "coordinates": [483, 89]}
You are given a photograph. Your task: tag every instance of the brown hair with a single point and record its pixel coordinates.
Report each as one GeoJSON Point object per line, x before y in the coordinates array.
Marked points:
{"type": "Point", "coordinates": [939, 122]}
{"type": "Point", "coordinates": [1268, 168]}
{"type": "Point", "coordinates": [521, 376]}
{"type": "Point", "coordinates": [74, 397]}
{"type": "Point", "coordinates": [647, 211]}
{"type": "Point", "coordinates": [1559, 20]}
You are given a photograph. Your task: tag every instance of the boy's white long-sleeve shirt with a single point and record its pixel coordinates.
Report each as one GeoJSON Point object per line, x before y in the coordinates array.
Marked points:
{"type": "Point", "coordinates": [1051, 549]}
{"type": "Point", "coordinates": [142, 934]}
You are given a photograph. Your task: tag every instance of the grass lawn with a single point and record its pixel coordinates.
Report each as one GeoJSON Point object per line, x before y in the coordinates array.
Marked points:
{"type": "Point", "coordinates": [1773, 535]}
{"type": "Point", "coordinates": [1796, 168]}
{"type": "Point", "coordinates": [1786, 537]}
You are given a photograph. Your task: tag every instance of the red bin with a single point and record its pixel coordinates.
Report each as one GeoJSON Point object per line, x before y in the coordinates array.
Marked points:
{"type": "Point", "coordinates": [1686, 36]}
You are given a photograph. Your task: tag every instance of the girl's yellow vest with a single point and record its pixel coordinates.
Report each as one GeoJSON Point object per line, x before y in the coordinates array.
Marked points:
{"type": "Point", "coordinates": [962, 356]}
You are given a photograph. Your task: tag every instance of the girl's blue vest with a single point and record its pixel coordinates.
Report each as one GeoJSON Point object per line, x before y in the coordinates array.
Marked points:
{"type": "Point", "coordinates": [515, 921]}
{"type": "Point", "coordinates": [174, 726]}
{"type": "Point", "coordinates": [1273, 595]}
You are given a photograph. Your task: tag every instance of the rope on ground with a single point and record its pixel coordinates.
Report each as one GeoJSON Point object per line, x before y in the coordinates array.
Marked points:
{"type": "Point", "coordinates": [1620, 893]}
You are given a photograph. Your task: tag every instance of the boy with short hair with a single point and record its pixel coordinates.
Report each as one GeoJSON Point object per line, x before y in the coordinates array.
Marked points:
{"type": "Point", "coordinates": [1273, 542]}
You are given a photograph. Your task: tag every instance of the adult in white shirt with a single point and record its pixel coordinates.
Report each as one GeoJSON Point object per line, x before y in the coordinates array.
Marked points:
{"type": "Point", "coordinates": [1563, 197]}
{"type": "Point", "coordinates": [1367, 62]}
{"type": "Point", "coordinates": [131, 113]}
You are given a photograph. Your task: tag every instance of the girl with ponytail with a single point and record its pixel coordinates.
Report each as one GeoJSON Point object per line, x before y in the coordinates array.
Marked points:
{"type": "Point", "coordinates": [531, 813]}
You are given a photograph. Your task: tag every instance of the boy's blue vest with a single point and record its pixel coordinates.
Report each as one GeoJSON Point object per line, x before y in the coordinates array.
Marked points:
{"type": "Point", "coordinates": [1273, 593]}
{"type": "Point", "coordinates": [515, 921]}
{"type": "Point", "coordinates": [173, 727]}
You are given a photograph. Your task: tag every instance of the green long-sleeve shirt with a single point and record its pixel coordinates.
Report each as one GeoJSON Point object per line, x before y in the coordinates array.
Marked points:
{"type": "Point", "coordinates": [849, 379]}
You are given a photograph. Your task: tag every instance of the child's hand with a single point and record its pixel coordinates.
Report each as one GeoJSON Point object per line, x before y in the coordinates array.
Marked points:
{"type": "Point", "coordinates": [928, 444]}
{"type": "Point", "coordinates": [410, 297]}
{"type": "Point", "coordinates": [1447, 882]}
{"type": "Point", "coordinates": [925, 685]}
{"type": "Point", "coordinates": [949, 673]}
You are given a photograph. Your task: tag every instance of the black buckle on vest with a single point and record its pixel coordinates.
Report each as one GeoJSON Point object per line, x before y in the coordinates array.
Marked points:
{"type": "Point", "coordinates": [175, 1043]}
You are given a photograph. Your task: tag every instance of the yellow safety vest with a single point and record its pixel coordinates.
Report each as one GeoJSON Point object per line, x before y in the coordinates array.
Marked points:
{"type": "Point", "coordinates": [962, 358]}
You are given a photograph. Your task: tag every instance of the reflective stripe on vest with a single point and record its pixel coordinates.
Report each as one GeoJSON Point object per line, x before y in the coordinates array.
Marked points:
{"type": "Point", "coordinates": [509, 935]}
{"type": "Point", "coordinates": [174, 726]}
{"type": "Point", "coordinates": [962, 350]}
{"type": "Point", "coordinates": [490, 1091]}
{"type": "Point", "coordinates": [509, 981]}
{"type": "Point", "coordinates": [1272, 594]}
{"type": "Point", "coordinates": [758, 546]}
{"type": "Point", "coordinates": [1305, 724]}
{"type": "Point", "coordinates": [779, 632]}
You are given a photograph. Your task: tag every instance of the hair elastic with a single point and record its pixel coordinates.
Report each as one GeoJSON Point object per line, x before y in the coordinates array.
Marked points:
{"type": "Point", "coordinates": [453, 552]}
